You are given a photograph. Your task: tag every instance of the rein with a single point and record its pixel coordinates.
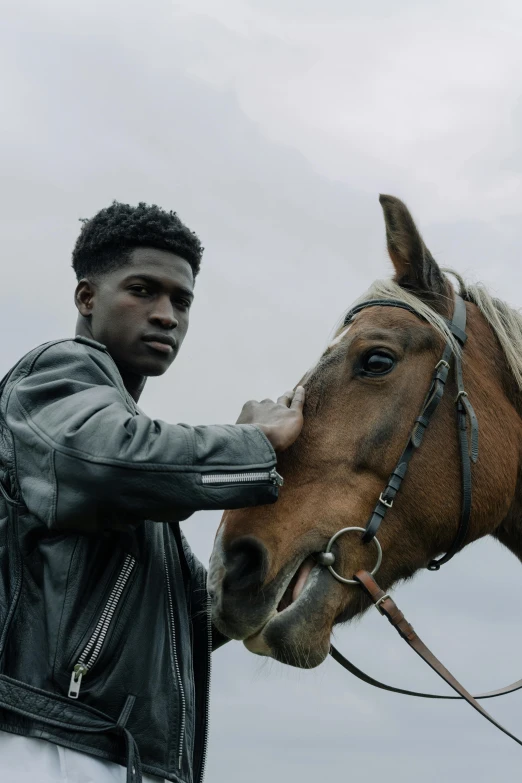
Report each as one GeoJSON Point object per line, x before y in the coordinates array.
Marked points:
{"type": "Point", "coordinates": [468, 447]}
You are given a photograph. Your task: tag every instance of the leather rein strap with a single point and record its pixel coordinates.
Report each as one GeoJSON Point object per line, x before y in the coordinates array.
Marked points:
{"type": "Point", "coordinates": [350, 667]}
{"type": "Point", "coordinates": [389, 609]}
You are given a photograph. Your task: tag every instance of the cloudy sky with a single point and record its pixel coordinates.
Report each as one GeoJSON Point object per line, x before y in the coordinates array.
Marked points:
{"type": "Point", "coordinates": [271, 126]}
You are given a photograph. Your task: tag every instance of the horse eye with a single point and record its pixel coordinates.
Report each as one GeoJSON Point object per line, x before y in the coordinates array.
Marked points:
{"type": "Point", "coordinates": [377, 363]}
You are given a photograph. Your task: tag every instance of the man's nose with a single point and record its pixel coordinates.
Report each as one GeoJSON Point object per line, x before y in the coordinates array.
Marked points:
{"type": "Point", "coordinates": [163, 314]}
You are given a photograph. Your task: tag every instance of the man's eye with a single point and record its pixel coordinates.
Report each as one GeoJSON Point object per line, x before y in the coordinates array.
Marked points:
{"type": "Point", "coordinates": [140, 290]}
{"type": "Point", "coordinates": [377, 362]}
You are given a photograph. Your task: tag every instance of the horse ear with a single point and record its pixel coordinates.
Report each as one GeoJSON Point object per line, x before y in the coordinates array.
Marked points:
{"type": "Point", "coordinates": [415, 267]}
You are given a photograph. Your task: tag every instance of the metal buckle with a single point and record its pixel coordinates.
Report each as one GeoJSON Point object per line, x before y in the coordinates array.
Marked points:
{"type": "Point", "coordinates": [461, 394]}
{"type": "Point", "coordinates": [378, 603]}
{"type": "Point", "coordinates": [442, 363]}
{"type": "Point", "coordinates": [387, 503]}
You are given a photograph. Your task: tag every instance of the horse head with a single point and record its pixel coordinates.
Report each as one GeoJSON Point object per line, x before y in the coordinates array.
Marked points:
{"type": "Point", "coordinates": [267, 577]}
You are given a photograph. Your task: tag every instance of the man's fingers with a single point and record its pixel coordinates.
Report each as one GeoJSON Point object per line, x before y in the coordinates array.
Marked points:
{"type": "Point", "coordinates": [286, 398]}
{"type": "Point", "coordinates": [298, 399]}
{"type": "Point", "coordinates": [293, 399]}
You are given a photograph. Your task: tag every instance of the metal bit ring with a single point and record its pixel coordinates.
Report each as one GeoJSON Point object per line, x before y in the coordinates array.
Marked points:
{"type": "Point", "coordinates": [327, 555]}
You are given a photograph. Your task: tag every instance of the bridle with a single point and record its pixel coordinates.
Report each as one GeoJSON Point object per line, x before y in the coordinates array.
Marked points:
{"type": "Point", "coordinates": [465, 411]}
{"type": "Point", "coordinates": [468, 447]}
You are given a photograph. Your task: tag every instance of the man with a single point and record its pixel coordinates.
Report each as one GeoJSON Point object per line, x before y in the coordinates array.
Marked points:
{"type": "Point", "coordinates": [104, 627]}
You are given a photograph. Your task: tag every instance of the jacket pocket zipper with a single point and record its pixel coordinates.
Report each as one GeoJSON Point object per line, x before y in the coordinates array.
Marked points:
{"type": "Point", "coordinates": [175, 663]}
{"type": "Point", "coordinates": [91, 651]}
{"type": "Point", "coordinates": [243, 478]}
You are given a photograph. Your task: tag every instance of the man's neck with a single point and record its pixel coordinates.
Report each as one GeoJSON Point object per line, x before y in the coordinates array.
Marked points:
{"type": "Point", "coordinates": [133, 383]}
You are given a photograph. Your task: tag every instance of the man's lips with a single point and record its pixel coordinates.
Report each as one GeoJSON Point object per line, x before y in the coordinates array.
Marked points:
{"type": "Point", "coordinates": [162, 347]}
{"type": "Point", "coordinates": [161, 343]}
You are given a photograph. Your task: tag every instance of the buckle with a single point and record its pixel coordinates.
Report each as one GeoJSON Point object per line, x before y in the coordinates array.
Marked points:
{"type": "Point", "coordinates": [378, 603]}
{"type": "Point", "coordinates": [387, 503]}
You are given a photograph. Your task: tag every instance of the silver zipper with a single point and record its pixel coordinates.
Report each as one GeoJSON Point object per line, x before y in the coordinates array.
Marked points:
{"type": "Point", "coordinates": [243, 478]}
{"type": "Point", "coordinates": [93, 648]}
{"type": "Point", "coordinates": [207, 703]}
{"type": "Point", "coordinates": [177, 669]}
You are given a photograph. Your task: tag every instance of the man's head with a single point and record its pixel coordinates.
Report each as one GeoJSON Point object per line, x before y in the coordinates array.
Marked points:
{"type": "Point", "coordinates": [136, 268]}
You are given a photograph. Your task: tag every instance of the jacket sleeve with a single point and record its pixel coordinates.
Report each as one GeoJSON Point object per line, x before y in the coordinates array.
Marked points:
{"type": "Point", "coordinates": [87, 459]}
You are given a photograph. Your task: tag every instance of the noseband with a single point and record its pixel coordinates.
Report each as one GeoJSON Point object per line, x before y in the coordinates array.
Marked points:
{"type": "Point", "coordinates": [383, 602]}
{"type": "Point", "coordinates": [465, 411]}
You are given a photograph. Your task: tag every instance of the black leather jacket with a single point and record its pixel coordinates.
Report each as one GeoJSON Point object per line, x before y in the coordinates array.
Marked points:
{"type": "Point", "coordinates": [105, 633]}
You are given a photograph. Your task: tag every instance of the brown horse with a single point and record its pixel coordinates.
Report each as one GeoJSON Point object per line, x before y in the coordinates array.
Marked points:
{"type": "Point", "coordinates": [362, 400]}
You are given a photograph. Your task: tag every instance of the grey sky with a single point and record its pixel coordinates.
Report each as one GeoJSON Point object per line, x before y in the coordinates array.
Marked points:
{"type": "Point", "coordinates": [271, 127]}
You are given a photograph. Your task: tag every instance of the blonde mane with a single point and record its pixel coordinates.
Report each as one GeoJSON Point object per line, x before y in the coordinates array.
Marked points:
{"type": "Point", "coordinates": [505, 321]}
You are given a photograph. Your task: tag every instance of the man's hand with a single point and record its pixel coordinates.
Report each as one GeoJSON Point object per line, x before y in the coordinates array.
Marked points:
{"type": "Point", "coordinates": [281, 421]}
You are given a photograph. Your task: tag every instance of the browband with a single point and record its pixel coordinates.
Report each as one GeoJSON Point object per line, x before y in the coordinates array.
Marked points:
{"type": "Point", "coordinates": [457, 331]}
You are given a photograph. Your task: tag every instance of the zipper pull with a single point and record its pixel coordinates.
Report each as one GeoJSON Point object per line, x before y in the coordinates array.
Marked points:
{"type": "Point", "coordinates": [275, 478]}
{"type": "Point", "coordinates": [76, 680]}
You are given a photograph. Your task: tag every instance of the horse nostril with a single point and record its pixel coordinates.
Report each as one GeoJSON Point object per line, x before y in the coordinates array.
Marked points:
{"type": "Point", "coordinates": [246, 564]}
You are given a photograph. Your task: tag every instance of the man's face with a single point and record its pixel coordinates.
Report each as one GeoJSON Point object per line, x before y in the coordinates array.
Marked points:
{"type": "Point", "coordinates": [140, 311]}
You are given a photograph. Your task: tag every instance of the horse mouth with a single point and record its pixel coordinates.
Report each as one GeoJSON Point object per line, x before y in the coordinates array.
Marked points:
{"type": "Point", "coordinates": [296, 584]}
{"type": "Point", "coordinates": [297, 631]}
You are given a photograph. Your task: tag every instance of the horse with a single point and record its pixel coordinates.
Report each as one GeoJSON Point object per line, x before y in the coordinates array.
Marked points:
{"type": "Point", "coordinates": [282, 575]}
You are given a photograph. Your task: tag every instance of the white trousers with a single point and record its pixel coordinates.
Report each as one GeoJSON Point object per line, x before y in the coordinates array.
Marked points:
{"type": "Point", "coordinates": [30, 760]}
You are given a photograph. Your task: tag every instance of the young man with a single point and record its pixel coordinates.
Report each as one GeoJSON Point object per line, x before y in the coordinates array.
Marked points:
{"type": "Point", "coordinates": [104, 627]}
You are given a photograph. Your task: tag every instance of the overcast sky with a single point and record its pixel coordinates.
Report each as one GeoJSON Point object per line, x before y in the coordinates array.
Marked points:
{"type": "Point", "coordinates": [271, 126]}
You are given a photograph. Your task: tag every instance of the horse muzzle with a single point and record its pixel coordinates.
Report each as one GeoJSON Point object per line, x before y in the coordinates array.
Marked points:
{"type": "Point", "coordinates": [241, 603]}
{"type": "Point", "coordinates": [286, 618]}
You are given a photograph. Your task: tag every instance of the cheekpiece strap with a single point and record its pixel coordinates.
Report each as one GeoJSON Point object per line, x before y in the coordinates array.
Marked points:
{"type": "Point", "coordinates": [433, 398]}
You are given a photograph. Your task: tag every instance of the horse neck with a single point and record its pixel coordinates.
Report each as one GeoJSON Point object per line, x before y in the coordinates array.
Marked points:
{"type": "Point", "coordinates": [497, 477]}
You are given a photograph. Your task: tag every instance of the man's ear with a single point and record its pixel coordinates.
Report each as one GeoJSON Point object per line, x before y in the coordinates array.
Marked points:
{"type": "Point", "coordinates": [84, 296]}
{"type": "Point", "coordinates": [415, 267]}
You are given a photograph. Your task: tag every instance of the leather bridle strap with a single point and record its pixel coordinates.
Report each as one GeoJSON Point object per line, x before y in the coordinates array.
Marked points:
{"type": "Point", "coordinates": [468, 453]}
{"type": "Point", "coordinates": [389, 609]}
{"type": "Point", "coordinates": [465, 411]}
{"type": "Point", "coordinates": [431, 404]}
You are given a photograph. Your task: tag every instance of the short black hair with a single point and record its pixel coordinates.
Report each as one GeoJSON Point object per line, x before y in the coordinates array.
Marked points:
{"type": "Point", "coordinates": [107, 239]}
